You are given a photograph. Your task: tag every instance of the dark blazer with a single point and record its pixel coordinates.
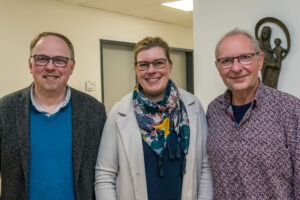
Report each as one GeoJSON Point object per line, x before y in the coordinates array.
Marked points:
{"type": "Point", "coordinates": [88, 118]}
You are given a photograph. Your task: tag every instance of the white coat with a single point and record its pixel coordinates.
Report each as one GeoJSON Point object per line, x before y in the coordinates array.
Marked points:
{"type": "Point", "coordinates": [120, 170]}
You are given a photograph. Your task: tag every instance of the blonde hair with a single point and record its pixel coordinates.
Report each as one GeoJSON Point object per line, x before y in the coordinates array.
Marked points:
{"type": "Point", "coordinates": [150, 42]}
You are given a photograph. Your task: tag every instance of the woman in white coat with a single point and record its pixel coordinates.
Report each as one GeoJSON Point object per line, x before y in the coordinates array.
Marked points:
{"type": "Point", "coordinates": [153, 142]}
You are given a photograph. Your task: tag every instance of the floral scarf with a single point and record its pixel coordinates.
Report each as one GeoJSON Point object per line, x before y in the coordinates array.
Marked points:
{"type": "Point", "coordinates": [158, 120]}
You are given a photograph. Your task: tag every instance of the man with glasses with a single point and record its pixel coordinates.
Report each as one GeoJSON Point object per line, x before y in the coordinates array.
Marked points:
{"type": "Point", "coordinates": [49, 132]}
{"type": "Point", "coordinates": [254, 131]}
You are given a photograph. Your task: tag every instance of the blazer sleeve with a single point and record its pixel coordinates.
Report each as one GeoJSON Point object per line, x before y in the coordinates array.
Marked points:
{"type": "Point", "coordinates": [205, 183]}
{"type": "Point", "coordinates": [106, 169]}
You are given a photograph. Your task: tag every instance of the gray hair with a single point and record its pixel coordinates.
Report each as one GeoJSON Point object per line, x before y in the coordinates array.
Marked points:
{"type": "Point", "coordinates": [237, 31]}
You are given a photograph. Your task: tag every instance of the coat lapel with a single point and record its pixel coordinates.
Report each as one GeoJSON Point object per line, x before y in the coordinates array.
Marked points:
{"type": "Point", "coordinates": [23, 131]}
{"type": "Point", "coordinates": [78, 133]}
{"type": "Point", "coordinates": [132, 141]}
{"type": "Point", "coordinates": [188, 183]}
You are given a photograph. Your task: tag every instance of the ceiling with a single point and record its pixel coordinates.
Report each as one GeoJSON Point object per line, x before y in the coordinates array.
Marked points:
{"type": "Point", "coordinates": [148, 9]}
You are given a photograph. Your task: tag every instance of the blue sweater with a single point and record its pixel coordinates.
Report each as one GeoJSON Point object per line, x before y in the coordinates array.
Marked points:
{"type": "Point", "coordinates": [51, 169]}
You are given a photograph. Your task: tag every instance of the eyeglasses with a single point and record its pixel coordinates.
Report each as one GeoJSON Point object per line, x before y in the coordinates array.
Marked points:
{"type": "Point", "coordinates": [244, 59]}
{"type": "Point", "coordinates": [43, 60]}
{"type": "Point", "coordinates": [157, 64]}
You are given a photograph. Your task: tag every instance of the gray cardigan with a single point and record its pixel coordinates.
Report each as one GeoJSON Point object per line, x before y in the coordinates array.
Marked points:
{"type": "Point", "coordinates": [88, 118]}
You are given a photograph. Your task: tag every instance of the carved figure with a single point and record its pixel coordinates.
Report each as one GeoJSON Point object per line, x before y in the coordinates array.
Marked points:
{"type": "Point", "coordinates": [272, 73]}
{"type": "Point", "coordinates": [279, 51]}
{"type": "Point", "coordinates": [273, 56]}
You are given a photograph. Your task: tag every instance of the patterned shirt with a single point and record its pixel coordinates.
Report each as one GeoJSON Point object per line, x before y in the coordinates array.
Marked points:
{"type": "Point", "coordinates": [259, 159]}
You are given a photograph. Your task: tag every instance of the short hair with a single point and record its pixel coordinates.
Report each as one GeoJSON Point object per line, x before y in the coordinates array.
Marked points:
{"type": "Point", "coordinates": [234, 32]}
{"type": "Point", "coordinates": [37, 38]}
{"type": "Point", "coordinates": [150, 42]}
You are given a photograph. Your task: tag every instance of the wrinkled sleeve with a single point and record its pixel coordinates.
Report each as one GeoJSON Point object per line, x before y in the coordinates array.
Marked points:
{"type": "Point", "coordinates": [106, 169]}
{"type": "Point", "coordinates": [297, 156]}
{"type": "Point", "coordinates": [205, 183]}
{"type": "Point", "coordinates": [291, 124]}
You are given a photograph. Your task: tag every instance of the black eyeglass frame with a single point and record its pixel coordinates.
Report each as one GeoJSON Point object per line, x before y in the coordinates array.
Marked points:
{"type": "Point", "coordinates": [237, 57]}
{"type": "Point", "coordinates": [149, 63]}
{"type": "Point", "coordinates": [51, 58]}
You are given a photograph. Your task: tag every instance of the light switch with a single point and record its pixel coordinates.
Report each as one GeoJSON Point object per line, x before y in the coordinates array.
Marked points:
{"type": "Point", "coordinates": [90, 86]}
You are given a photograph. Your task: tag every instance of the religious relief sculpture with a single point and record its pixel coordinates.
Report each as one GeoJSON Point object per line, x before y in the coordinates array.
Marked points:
{"type": "Point", "coordinates": [273, 56]}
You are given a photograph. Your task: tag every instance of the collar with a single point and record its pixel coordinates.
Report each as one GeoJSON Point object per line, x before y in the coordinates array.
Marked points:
{"type": "Point", "coordinates": [60, 106]}
{"type": "Point", "coordinates": [226, 99]}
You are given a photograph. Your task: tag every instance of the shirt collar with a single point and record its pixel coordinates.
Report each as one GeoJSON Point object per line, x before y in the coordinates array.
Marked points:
{"type": "Point", "coordinates": [60, 106]}
{"type": "Point", "coordinates": [227, 97]}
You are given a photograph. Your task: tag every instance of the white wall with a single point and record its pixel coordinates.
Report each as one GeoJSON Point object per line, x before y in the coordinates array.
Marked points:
{"type": "Point", "coordinates": [213, 18]}
{"type": "Point", "coordinates": [21, 20]}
